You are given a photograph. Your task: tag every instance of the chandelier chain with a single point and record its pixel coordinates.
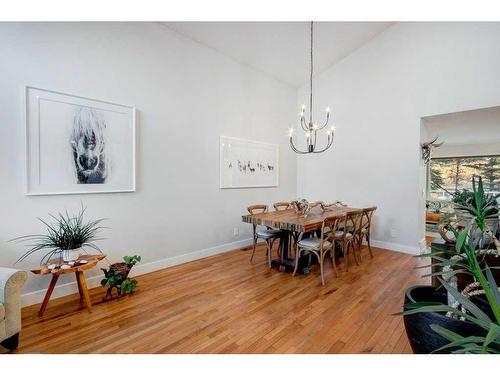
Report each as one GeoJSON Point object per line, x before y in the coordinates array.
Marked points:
{"type": "Point", "coordinates": [311, 79]}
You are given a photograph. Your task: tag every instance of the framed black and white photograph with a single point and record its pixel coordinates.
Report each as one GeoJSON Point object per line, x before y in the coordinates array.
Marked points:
{"type": "Point", "coordinates": [246, 163]}
{"type": "Point", "coordinates": [78, 145]}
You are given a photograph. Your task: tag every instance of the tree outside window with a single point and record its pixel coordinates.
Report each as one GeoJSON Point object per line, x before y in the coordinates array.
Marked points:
{"type": "Point", "coordinates": [448, 175]}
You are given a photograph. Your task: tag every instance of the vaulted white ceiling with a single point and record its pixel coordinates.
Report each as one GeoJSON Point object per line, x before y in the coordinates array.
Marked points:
{"type": "Point", "coordinates": [281, 49]}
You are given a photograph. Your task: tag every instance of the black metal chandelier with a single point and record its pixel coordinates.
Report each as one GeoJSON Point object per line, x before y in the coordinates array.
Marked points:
{"type": "Point", "coordinates": [311, 129]}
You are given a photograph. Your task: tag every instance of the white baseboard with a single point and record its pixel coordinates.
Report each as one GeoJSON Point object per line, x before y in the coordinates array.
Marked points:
{"type": "Point", "coordinates": [37, 296]}
{"type": "Point", "coordinates": [414, 250]}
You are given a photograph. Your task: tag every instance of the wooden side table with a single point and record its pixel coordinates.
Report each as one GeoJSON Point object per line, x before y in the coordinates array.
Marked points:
{"type": "Point", "coordinates": [77, 269]}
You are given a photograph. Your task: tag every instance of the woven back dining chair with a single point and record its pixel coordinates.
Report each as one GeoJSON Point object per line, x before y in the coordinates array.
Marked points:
{"type": "Point", "coordinates": [320, 246]}
{"type": "Point", "coordinates": [268, 235]}
{"type": "Point", "coordinates": [347, 235]}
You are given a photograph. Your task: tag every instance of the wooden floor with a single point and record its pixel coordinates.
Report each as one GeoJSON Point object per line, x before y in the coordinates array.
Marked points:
{"type": "Point", "coordinates": [223, 304]}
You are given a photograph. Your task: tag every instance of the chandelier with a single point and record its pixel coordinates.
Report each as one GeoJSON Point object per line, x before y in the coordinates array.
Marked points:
{"type": "Point", "coordinates": [310, 128]}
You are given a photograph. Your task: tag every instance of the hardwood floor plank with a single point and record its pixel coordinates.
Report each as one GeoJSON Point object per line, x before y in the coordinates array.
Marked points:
{"type": "Point", "coordinates": [224, 304]}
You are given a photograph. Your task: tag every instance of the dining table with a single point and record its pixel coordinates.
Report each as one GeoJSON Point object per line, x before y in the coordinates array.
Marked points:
{"type": "Point", "coordinates": [292, 224]}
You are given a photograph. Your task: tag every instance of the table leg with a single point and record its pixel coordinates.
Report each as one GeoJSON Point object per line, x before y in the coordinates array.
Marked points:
{"type": "Point", "coordinates": [80, 292]}
{"type": "Point", "coordinates": [284, 251]}
{"type": "Point", "coordinates": [84, 290]}
{"type": "Point", "coordinates": [48, 294]}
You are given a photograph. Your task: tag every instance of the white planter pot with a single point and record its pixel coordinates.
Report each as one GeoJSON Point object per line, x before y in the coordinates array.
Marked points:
{"type": "Point", "coordinates": [71, 255]}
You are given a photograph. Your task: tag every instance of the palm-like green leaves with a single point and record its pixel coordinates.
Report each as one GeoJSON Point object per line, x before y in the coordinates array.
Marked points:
{"type": "Point", "coordinates": [467, 258]}
{"type": "Point", "coordinates": [478, 204]}
{"type": "Point", "coordinates": [66, 232]}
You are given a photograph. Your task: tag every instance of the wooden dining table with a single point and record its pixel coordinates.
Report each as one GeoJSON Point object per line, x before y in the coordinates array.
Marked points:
{"type": "Point", "coordinates": [292, 224]}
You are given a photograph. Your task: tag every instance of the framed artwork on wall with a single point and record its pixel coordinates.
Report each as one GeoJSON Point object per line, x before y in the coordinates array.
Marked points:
{"type": "Point", "coordinates": [245, 163]}
{"type": "Point", "coordinates": [77, 145]}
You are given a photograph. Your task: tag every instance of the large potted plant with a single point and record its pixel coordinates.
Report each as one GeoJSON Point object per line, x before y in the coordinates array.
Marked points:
{"type": "Point", "coordinates": [66, 237]}
{"type": "Point", "coordinates": [452, 318]}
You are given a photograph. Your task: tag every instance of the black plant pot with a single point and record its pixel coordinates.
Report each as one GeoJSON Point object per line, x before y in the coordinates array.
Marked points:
{"type": "Point", "coordinates": [423, 339]}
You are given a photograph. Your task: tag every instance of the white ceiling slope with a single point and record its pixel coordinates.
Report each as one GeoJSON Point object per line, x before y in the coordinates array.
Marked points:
{"type": "Point", "coordinates": [281, 49]}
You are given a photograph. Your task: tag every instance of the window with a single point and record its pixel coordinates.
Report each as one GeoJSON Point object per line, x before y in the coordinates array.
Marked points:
{"type": "Point", "coordinates": [450, 174]}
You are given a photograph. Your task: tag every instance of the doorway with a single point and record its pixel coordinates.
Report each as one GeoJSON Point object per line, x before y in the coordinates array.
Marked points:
{"type": "Point", "coordinates": [471, 147]}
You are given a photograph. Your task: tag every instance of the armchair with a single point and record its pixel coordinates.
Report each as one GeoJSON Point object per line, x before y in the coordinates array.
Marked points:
{"type": "Point", "coordinates": [11, 282]}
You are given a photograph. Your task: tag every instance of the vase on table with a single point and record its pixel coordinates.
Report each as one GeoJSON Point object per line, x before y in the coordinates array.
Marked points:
{"type": "Point", "coordinates": [71, 254]}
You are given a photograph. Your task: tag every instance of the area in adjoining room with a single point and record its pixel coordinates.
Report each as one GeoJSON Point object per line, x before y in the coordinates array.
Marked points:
{"type": "Point", "coordinates": [249, 187]}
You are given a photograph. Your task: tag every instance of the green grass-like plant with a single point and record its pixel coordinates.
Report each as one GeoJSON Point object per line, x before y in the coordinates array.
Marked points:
{"type": "Point", "coordinates": [66, 232]}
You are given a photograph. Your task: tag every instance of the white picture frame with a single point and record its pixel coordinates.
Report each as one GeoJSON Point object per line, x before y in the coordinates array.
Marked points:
{"type": "Point", "coordinates": [77, 145]}
{"type": "Point", "coordinates": [247, 164]}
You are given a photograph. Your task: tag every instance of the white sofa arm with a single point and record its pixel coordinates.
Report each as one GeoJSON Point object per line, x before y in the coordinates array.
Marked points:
{"type": "Point", "coordinates": [11, 282]}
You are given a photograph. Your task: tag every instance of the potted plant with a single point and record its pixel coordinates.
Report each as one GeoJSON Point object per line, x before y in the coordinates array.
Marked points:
{"type": "Point", "coordinates": [116, 277]}
{"type": "Point", "coordinates": [469, 324]}
{"type": "Point", "coordinates": [452, 318]}
{"type": "Point", "coordinates": [66, 237]}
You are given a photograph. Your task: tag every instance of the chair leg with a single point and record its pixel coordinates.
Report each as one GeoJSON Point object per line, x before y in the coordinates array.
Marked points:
{"type": "Point", "coordinates": [321, 257]}
{"type": "Point", "coordinates": [354, 254]}
{"type": "Point", "coordinates": [358, 250]}
{"type": "Point", "coordinates": [346, 253]}
{"type": "Point", "coordinates": [253, 251]}
{"type": "Point", "coordinates": [332, 255]}
{"type": "Point", "coordinates": [269, 251]}
{"type": "Point", "coordinates": [297, 256]}
{"type": "Point", "coordinates": [368, 242]}
{"type": "Point", "coordinates": [360, 256]}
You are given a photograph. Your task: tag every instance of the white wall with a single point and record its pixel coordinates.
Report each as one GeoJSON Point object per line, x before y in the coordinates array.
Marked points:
{"type": "Point", "coordinates": [187, 96]}
{"type": "Point", "coordinates": [378, 95]}
{"type": "Point", "coordinates": [480, 149]}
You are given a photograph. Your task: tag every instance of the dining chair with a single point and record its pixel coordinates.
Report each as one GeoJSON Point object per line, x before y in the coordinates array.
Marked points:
{"type": "Point", "coordinates": [338, 204]}
{"type": "Point", "coordinates": [268, 235]}
{"type": "Point", "coordinates": [319, 246]}
{"type": "Point", "coordinates": [280, 206]}
{"type": "Point", "coordinates": [347, 235]}
{"type": "Point", "coordinates": [364, 228]}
